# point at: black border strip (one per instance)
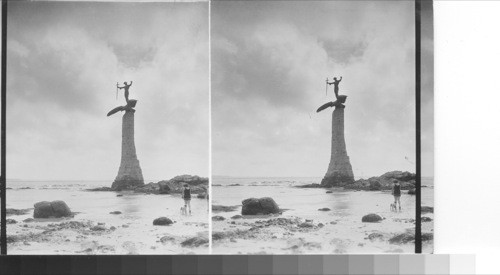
(418, 200)
(3, 177)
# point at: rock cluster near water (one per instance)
(262, 206)
(385, 182)
(54, 209)
(198, 185)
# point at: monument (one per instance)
(339, 171)
(130, 173)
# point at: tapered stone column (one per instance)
(339, 171)
(130, 173)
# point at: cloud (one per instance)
(64, 60)
(268, 79)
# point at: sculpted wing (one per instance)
(324, 106)
(116, 110)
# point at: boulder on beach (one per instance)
(262, 206)
(426, 209)
(195, 241)
(371, 218)
(412, 191)
(402, 238)
(54, 209)
(236, 217)
(12, 211)
(201, 195)
(218, 218)
(162, 221)
(115, 212)
(223, 208)
(385, 182)
(11, 221)
(324, 209)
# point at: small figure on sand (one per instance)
(125, 87)
(186, 195)
(396, 192)
(335, 85)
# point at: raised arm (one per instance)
(340, 79)
(130, 83)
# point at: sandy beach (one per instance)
(303, 229)
(94, 230)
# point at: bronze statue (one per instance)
(125, 87)
(335, 85)
(340, 98)
(130, 102)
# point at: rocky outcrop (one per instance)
(175, 185)
(426, 209)
(371, 218)
(198, 185)
(162, 221)
(54, 209)
(385, 182)
(262, 206)
(218, 218)
(130, 172)
(223, 208)
(339, 171)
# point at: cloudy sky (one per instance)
(269, 64)
(64, 60)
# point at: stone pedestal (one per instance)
(339, 171)
(130, 173)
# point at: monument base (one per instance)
(336, 180)
(126, 183)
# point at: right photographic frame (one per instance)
(322, 127)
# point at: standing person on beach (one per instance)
(396, 192)
(186, 195)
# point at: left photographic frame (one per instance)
(107, 118)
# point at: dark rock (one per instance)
(376, 236)
(324, 209)
(162, 221)
(119, 195)
(385, 182)
(99, 189)
(427, 209)
(11, 211)
(402, 238)
(412, 191)
(175, 185)
(11, 221)
(312, 185)
(222, 208)
(195, 241)
(98, 228)
(235, 217)
(371, 218)
(306, 225)
(54, 209)
(262, 206)
(329, 191)
(29, 220)
(427, 237)
(167, 238)
(201, 195)
(218, 218)
(115, 212)
(426, 219)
